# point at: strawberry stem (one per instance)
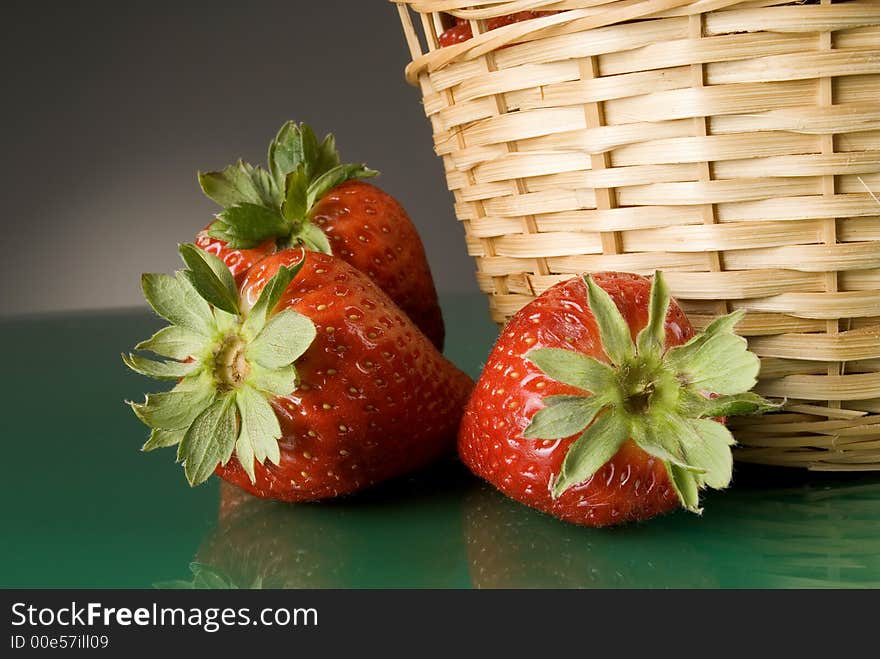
(231, 367)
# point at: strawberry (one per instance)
(461, 30)
(305, 382)
(306, 197)
(594, 405)
(457, 33)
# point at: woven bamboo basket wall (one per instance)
(734, 145)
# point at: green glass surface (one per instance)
(82, 507)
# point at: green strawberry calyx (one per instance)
(276, 203)
(228, 363)
(654, 396)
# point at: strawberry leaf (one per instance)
(613, 330)
(685, 484)
(221, 231)
(173, 341)
(268, 191)
(328, 156)
(599, 443)
(310, 146)
(163, 439)
(285, 337)
(573, 368)
(286, 152)
(297, 144)
(737, 405)
(654, 439)
(708, 447)
(175, 409)
(330, 179)
(563, 416)
(719, 326)
(295, 203)
(717, 360)
(314, 239)
(273, 382)
(652, 339)
(260, 431)
(175, 299)
(211, 278)
(237, 184)
(269, 298)
(226, 322)
(246, 225)
(209, 440)
(161, 370)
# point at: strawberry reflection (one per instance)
(816, 531)
(512, 546)
(406, 533)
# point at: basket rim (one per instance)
(592, 16)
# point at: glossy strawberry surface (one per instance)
(239, 261)
(458, 33)
(369, 229)
(632, 485)
(375, 398)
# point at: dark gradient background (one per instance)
(109, 109)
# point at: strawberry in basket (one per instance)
(305, 382)
(307, 197)
(461, 30)
(599, 404)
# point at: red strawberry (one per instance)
(461, 31)
(587, 410)
(306, 197)
(371, 231)
(306, 382)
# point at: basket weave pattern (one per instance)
(733, 145)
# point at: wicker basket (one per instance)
(734, 145)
